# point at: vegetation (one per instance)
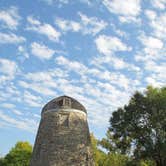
(103, 159)
(18, 156)
(139, 128)
(98, 155)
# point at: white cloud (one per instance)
(11, 38)
(8, 70)
(153, 49)
(37, 87)
(157, 68)
(124, 19)
(39, 76)
(128, 10)
(157, 75)
(86, 25)
(9, 91)
(159, 4)
(23, 51)
(41, 51)
(31, 99)
(87, 72)
(109, 44)
(24, 124)
(17, 112)
(71, 65)
(157, 22)
(43, 28)
(151, 42)
(152, 81)
(10, 18)
(66, 25)
(46, 76)
(152, 59)
(44, 83)
(8, 105)
(150, 14)
(8, 67)
(158, 25)
(92, 24)
(118, 31)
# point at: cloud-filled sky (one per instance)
(98, 52)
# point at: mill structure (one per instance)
(63, 137)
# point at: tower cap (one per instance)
(63, 102)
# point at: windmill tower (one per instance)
(63, 137)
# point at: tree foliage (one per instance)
(18, 156)
(115, 159)
(139, 128)
(103, 159)
(98, 155)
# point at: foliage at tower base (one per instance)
(103, 159)
(139, 128)
(18, 156)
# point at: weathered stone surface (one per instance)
(63, 139)
(63, 102)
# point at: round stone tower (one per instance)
(63, 137)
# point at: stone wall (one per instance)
(63, 139)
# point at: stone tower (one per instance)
(63, 137)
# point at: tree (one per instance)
(19, 155)
(139, 128)
(104, 159)
(1, 161)
(98, 155)
(115, 159)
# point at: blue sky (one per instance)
(98, 52)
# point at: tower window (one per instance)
(60, 103)
(67, 102)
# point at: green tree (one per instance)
(104, 159)
(115, 159)
(19, 155)
(139, 128)
(98, 155)
(1, 161)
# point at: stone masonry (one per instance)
(63, 137)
